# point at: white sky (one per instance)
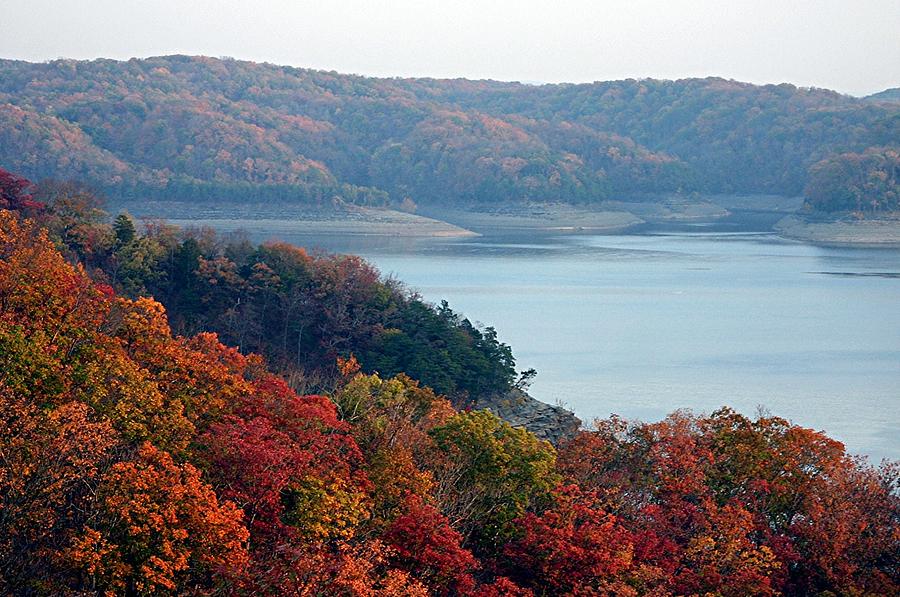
(852, 46)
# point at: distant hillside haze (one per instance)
(888, 95)
(197, 128)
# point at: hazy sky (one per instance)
(852, 46)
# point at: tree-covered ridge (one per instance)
(735, 137)
(301, 311)
(888, 95)
(194, 128)
(135, 461)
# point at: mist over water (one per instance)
(642, 325)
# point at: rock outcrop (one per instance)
(546, 421)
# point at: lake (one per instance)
(642, 325)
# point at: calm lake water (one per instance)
(642, 325)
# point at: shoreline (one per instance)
(277, 219)
(605, 217)
(873, 234)
(423, 228)
(538, 217)
(609, 217)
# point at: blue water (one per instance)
(643, 325)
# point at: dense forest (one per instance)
(857, 182)
(195, 128)
(300, 311)
(136, 460)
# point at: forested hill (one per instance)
(301, 311)
(135, 460)
(199, 128)
(888, 95)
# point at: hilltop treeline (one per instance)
(139, 461)
(300, 311)
(197, 128)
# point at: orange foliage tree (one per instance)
(135, 461)
(738, 506)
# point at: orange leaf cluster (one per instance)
(134, 461)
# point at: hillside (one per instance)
(138, 461)
(196, 128)
(888, 95)
(301, 311)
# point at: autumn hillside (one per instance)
(204, 129)
(138, 461)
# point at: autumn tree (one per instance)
(51, 467)
(487, 473)
(865, 183)
(574, 546)
(16, 193)
(428, 548)
(738, 506)
(296, 472)
(158, 527)
(390, 421)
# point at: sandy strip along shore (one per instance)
(863, 233)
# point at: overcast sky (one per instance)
(852, 46)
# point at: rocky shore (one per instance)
(548, 422)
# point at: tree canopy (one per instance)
(138, 461)
(204, 129)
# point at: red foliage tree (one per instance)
(291, 465)
(736, 506)
(15, 193)
(572, 546)
(428, 548)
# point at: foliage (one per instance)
(52, 463)
(443, 350)
(137, 461)
(426, 545)
(488, 473)
(300, 311)
(203, 129)
(15, 193)
(160, 527)
(571, 546)
(390, 422)
(290, 463)
(738, 506)
(866, 183)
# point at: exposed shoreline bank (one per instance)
(405, 227)
(287, 219)
(876, 233)
(777, 215)
(606, 217)
(550, 218)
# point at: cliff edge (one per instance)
(552, 423)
